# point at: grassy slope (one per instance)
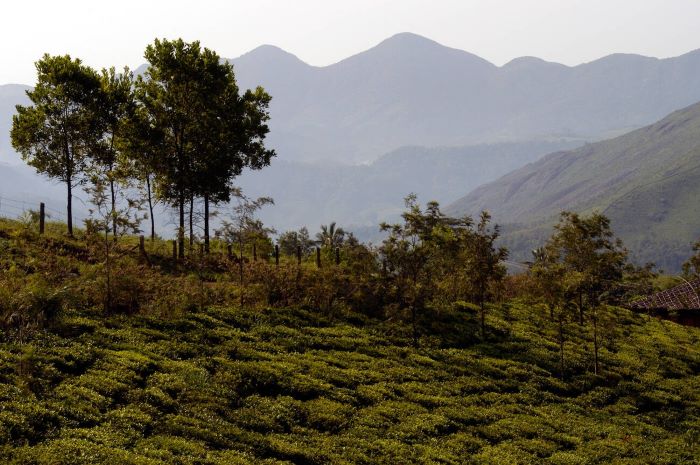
(646, 181)
(232, 386)
(226, 385)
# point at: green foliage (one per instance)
(200, 130)
(330, 236)
(691, 268)
(233, 386)
(316, 368)
(432, 257)
(292, 241)
(57, 133)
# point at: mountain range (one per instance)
(409, 90)
(410, 115)
(646, 181)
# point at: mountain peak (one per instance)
(408, 38)
(530, 61)
(415, 48)
(269, 53)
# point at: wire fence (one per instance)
(14, 208)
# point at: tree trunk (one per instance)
(150, 208)
(69, 184)
(108, 275)
(181, 229)
(191, 221)
(561, 343)
(206, 223)
(240, 268)
(414, 323)
(114, 209)
(110, 164)
(240, 262)
(483, 318)
(69, 212)
(596, 367)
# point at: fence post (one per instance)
(201, 249)
(175, 250)
(337, 255)
(298, 255)
(277, 255)
(142, 247)
(318, 257)
(255, 253)
(229, 251)
(42, 216)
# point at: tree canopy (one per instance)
(59, 131)
(207, 131)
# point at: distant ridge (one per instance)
(10, 95)
(410, 90)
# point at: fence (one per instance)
(14, 208)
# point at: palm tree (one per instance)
(330, 236)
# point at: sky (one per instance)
(322, 32)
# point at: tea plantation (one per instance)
(231, 386)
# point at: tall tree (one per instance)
(142, 148)
(594, 258)
(330, 236)
(483, 262)
(550, 285)
(233, 139)
(57, 132)
(209, 131)
(691, 268)
(413, 255)
(114, 109)
(170, 95)
(595, 264)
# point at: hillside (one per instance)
(646, 181)
(358, 196)
(190, 377)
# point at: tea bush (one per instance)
(193, 377)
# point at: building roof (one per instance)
(685, 296)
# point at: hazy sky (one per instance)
(321, 32)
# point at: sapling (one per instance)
(243, 226)
(109, 222)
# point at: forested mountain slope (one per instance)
(646, 181)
